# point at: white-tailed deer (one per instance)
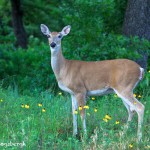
(81, 79)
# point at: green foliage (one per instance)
(39, 11)
(92, 36)
(29, 70)
(95, 16)
(92, 16)
(6, 31)
(34, 13)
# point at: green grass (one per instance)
(53, 129)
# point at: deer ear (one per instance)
(45, 30)
(66, 30)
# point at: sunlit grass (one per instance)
(45, 121)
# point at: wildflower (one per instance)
(134, 95)
(80, 107)
(130, 145)
(117, 122)
(22, 105)
(149, 71)
(40, 104)
(134, 103)
(76, 112)
(60, 93)
(104, 119)
(27, 106)
(86, 107)
(1, 100)
(43, 110)
(93, 98)
(95, 110)
(139, 96)
(115, 95)
(107, 117)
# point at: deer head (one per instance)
(55, 38)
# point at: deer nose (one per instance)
(53, 44)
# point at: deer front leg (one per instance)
(130, 112)
(74, 108)
(81, 98)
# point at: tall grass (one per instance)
(52, 127)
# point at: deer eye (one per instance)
(59, 36)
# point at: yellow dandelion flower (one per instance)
(22, 105)
(76, 112)
(93, 98)
(139, 96)
(86, 107)
(135, 103)
(130, 145)
(60, 93)
(149, 71)
(104, 119)
(117, 122)
(40, 104)
(95, 110)
(134, 95)
(43, 110)
(108, 117)
(80, 107)
(115, 95)
(27, 106)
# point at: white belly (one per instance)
(64, 88)
(100, 92)
(89, 93)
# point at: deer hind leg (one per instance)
(134, 105)
(81, 98)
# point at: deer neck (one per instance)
(57, 61)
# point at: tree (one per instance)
(17, 22)
(137, 22)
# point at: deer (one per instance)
(94, 78)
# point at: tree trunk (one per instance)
(137, 22)
(137, 19)
(18, 24)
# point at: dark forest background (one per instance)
(101, 29)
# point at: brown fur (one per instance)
(79, 76)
